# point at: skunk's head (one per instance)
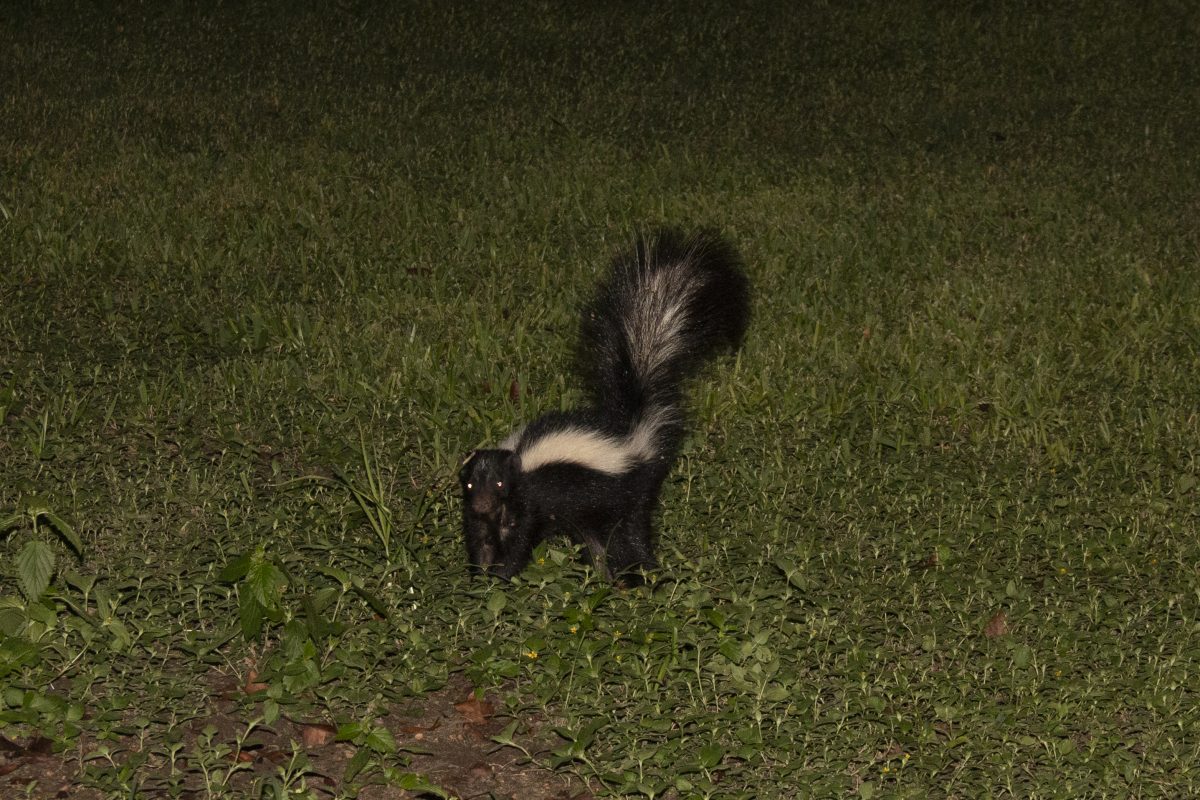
(487, 478)
(487, 487)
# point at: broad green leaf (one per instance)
(505, 736)
(374, 602)
(11, 621)
(14, 654)
(83, 583)
(731, 650)
(40, 612)
(711, 755)
(7, 395)
(381, 741)
(357, 763)
(235, 569)
(349, 732)
(65, 531)
(418, 783)
(1022, 655)
(497, 602)
(47, 703)
(322, 598)
(339, 575)
(121, 638)
(35, 565)
(250, 614)
(267, 582)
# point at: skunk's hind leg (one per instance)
(616, 554)
(630, 551)
(597, 555)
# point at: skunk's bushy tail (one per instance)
(666, 309)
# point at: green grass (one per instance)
(253, 262)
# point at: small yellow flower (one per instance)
(541, 562)
(574, 629)
(1062, 570)
(531, 654)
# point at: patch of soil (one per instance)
(456, 729)
(30, 769)
(451, 728)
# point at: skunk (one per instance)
(665, 310)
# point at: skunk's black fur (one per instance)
(666, 309)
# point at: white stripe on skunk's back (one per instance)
(611, 455)
(579, 446)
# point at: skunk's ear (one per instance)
(465, 466)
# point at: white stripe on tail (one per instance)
(660, 313)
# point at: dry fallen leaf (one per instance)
(997, 625)
(275, 756)
(317, 734)
(253, 685)
(475, 711)
(417, 731)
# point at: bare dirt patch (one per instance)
(451, 728)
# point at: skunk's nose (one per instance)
(484, 503)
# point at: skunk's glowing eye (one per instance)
(470, 486)
(499, 484)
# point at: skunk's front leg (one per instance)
(520, 536)
(483, 545)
